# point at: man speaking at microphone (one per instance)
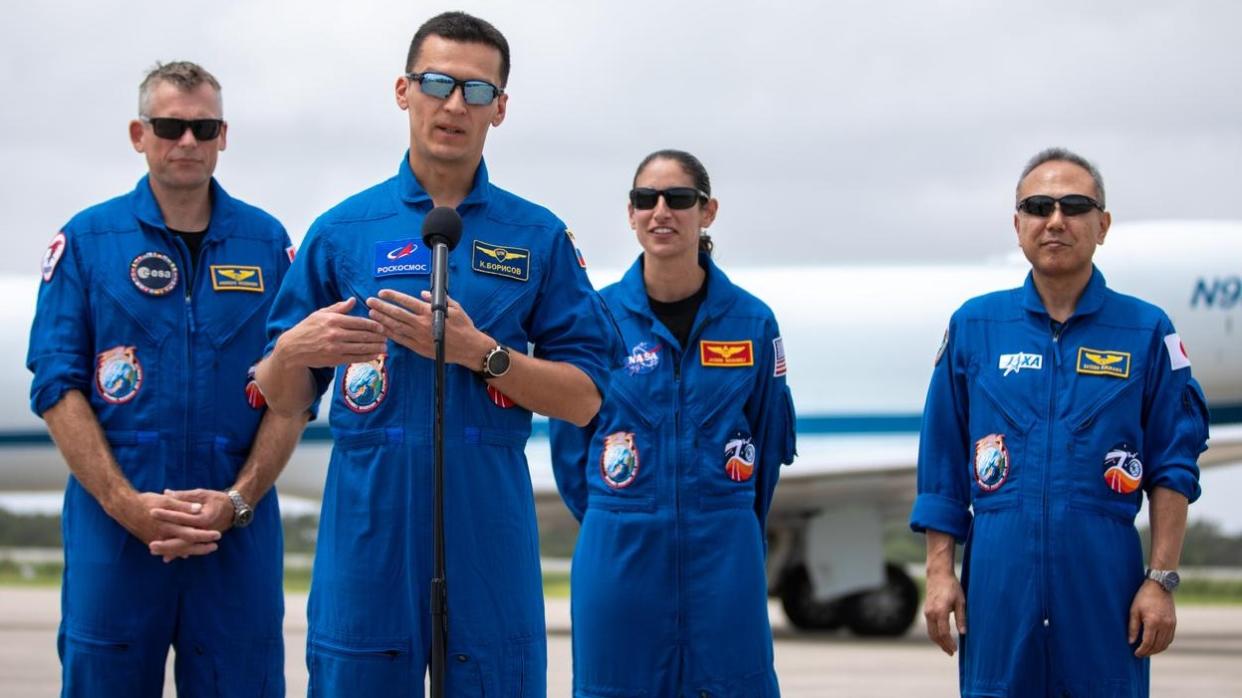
(514, 280)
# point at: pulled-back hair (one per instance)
(693, 167)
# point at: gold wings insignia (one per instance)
(238, 275)
(724, 352)
(1103, 360)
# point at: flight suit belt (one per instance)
(704, 502)
(512, 438)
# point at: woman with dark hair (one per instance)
(673, 479)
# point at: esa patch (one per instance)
(1097, 362)
(231, 277)
(291, 252)
(407, 257)
(153, 273)
(1123, 471)
(254, 396)
(1178, 357)
(618, 462)
(499, 399)
(577, 250)
(118, 374)
(778, 349)
(365, 384)
(991, 462)
(944, 344)
(643, 358)
(727, 354)
(55, 250)
(1014, 363)
(509, 262)
(740, 457)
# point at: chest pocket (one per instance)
(725, 443)
(999, 458)
(627, 454)
(233, 297)
(120, 305)
(497, 305)
(1108, 432)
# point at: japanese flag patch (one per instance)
(1178, 358)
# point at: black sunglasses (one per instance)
(646, 198)
(476, 92)
(203, 129)
(1071, 205)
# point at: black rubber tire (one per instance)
(888, 611)
(801, 608)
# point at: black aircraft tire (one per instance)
(888, 611)
(801, 607)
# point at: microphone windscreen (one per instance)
(442, 224)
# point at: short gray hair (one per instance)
(1064, 155)
(186, 76)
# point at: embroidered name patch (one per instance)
(1014, 363)
(509, 262)
(408, 257)
(1098, 362)
(727, 354)
(231, 277)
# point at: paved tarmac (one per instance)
(1205, 661)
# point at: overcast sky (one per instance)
(832, 131)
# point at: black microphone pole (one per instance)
(441, 232)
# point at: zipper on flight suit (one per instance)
(188, 264)
(1058, 329)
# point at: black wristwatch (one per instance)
(496, 362)
(243, 513)
(1167, 579)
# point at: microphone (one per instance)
(441, 232)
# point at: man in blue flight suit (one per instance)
(1052, 409)
(515, 281)
(150, 319)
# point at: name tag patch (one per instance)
(1102, 362)
(727, 354)
(500, 260)
(409, 257)
(231, 277)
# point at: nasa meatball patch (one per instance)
(1123, 471)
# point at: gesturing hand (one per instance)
(331, 336)
(407, 321)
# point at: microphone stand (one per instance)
(439, 586)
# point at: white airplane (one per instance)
(860, 341)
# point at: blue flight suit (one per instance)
(517, 275)
(163, 352)
(1050, 433)
(672, 482)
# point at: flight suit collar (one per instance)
(721, 294)
(147, 209)
(1091, 301)
(412, 192)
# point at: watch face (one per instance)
(498, 363)
(244, 517)
(1171, 580)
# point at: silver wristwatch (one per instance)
(1167, 579)
(243, 513)
(496, 362)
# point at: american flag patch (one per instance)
(778, 346)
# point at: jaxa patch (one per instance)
(618, 462)
(118, 374)
(499, 399)
(727, 354)
(499, 260)
(740, 457)
(643, 358)
(944, 344)
(1178, 357)
(55, 250)
(231, 277)
(407, 257)
(577, 250)
(1123, 471)
(991, 462)
(254, 396)
(778, 350)
(153, 273)
(1014, 363)
(365, 384)
(1096, 362)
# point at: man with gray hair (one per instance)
(149, 321)
(1052, 409)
